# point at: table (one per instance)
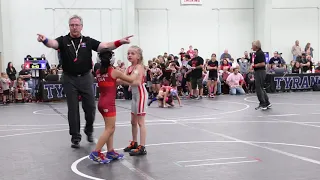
(280, 82)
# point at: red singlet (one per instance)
(108, 89)
(166, 88)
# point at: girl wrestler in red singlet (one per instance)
(106, 77)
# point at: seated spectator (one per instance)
(25, 74)
(20, 87)
(296, 68)
(276, 61)
(306, 64)
(317, 70)
(225, 64)
(235, 81)
(250, 80)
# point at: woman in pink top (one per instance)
(235, 81)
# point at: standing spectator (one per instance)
(244, 63)
(308, 48)
(190, 52)
(76, 58)
(182, 54)
(259, 67)
(296, 50)
(196, 75)
(11, 72)
(5, 84)
(225, 55)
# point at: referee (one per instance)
(259, 66)
(76, 56)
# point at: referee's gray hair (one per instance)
(257, 43)
(76, 17)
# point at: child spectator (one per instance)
(20, 87)
(250, 80)
(5, 83)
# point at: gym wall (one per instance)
(167, 26)
(295, 20)
(163, 26)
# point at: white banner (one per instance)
(191, 2)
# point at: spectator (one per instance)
(309, 49)
(196, 75)
(276, 60)
(304, 63)
(25, 75)
(5, 84)
(296, 68)
(244, 63)
(11, 72)
(182, 54)
(296, 50)
(21, 87)
(225, 64)
(225, 55)
(191, 52)
(250, 81)
(235, 81)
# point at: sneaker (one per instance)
(112, 155)
(99, 157)
(132, 145)
(269, 105)
(141, 150)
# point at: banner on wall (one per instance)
(191, 2)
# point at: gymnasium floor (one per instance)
(221, 139)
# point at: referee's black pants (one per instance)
(260, 76)
(82, 85)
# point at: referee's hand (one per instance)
(41, 38)
(126, 40)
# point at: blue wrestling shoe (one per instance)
(152, 100)
(99, 157)
(112, 155)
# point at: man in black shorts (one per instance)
(213, 75)
(259, 67)
(196, 75)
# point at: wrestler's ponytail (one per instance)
(105, 56)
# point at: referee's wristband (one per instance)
(45, 41)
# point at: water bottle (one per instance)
(313, 70)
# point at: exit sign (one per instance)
(191, 2)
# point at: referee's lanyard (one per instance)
(76, 50)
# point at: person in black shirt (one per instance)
(259, 67)
(213, 75)
(11, 71)
(76, 59)
(196, 75)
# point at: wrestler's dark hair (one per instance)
(105, 56)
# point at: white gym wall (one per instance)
(295, 20)
(167, 26)
(162, 26)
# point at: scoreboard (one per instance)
(35, 63)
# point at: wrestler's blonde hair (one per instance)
(140, 53)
